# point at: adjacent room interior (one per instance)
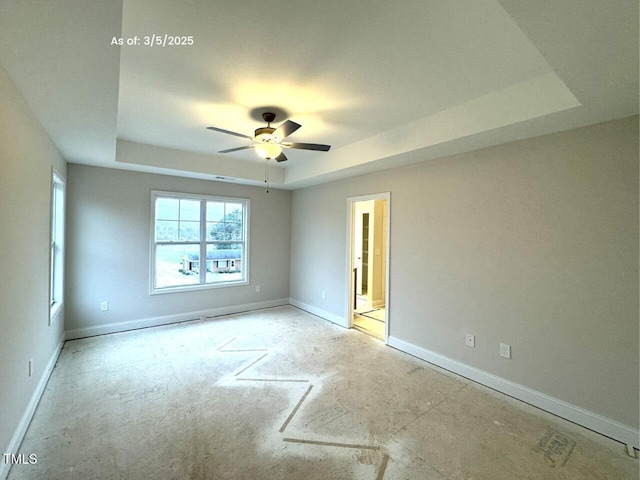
(368, 246)
(319, 240)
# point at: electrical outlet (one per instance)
(257, 288)
(324, 295)
(470, 340)
(30, 366)
(505, 350)
(104, 306)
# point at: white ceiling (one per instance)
(385, 83)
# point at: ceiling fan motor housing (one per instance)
(264, 134)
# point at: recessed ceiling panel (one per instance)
(344, 72)
(383, 83)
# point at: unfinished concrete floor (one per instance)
(281, 394)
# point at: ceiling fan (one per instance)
(268, 141)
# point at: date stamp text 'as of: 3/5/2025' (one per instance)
(154, 40)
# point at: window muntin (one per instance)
(187, 228)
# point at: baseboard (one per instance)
(568, 411)
(168, 319)
(21, 429)
(317, 311)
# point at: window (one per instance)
(188, 228)
(56, 261)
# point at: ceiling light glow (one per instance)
(268, 150)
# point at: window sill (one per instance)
(54, 311)
(195, 288)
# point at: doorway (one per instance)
(368, 228)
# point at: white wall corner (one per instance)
(333, 318)
(568, 411)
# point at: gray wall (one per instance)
(108, 244)
(532, 243)
(26, 158)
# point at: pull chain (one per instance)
(266, 173)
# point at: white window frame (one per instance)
(56, 241)
(202, 285)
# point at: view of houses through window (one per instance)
(198, 241)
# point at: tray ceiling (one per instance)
(384, 83)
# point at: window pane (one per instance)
(233, 212)
(224, 232)
(230, 231)
(215, 211)
(224, 262)
(212, 231)
(167, 208)
(190, 210)
(51, 275)
(235, 231)
(230, 226)
(177, 265)
(166, 231)
(189, 231)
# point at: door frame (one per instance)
(351, 201)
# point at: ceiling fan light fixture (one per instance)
(267, 141)
(268, 150)
(264, 138)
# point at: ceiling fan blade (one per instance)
(307, 146)
(286, 129)
(229, 150)
(281, 158)
(216, 129)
